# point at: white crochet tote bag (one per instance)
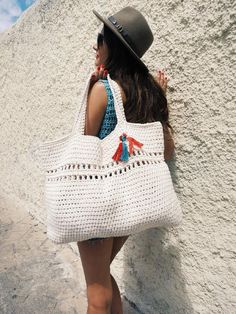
(115, 186)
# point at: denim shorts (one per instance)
(92, 239)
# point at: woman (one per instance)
(144, 99)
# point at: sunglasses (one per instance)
(100, 39)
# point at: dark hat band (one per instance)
(123, 32)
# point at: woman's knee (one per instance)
(99, 297)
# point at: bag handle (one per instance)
(79, 123)
(119, 106)
(84, 100)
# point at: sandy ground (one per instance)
(37, 276)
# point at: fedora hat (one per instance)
(131, 27)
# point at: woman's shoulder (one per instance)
(98, 93)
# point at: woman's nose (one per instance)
(95, 47)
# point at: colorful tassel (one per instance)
(118, 152)
(133, 142)
(125, 155)
(122, 153)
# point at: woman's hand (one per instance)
(99, 73)
(162, 80)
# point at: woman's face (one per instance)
(101, 50)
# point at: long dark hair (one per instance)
(145, 99)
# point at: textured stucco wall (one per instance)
(44, 59)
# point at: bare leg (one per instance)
(116, 306)
(95, 258)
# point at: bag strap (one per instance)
(118, 105)
(118, 102)
(80, 111)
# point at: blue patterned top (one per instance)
(109, 120)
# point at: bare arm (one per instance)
(169, 145)
(96, 107)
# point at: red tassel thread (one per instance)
(131, 141)
(118, 152)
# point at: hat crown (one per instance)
(131, 27)
(131, 22)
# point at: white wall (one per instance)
(44, 59)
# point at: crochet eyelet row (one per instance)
(102, 176)
(89, 166)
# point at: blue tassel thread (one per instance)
(125, 154)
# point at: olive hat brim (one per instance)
(114, 30)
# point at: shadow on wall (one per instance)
(152, 268)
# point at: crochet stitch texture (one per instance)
(88, 194)
(109, 121)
